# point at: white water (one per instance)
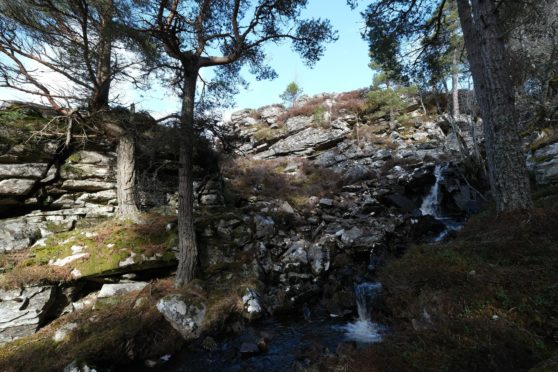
(431, 205)
(363, 329)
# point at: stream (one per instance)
(282, 344)
(289, 341)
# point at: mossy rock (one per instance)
(110, 248)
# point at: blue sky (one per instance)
(343, 67)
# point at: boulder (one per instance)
(297, 123)
(183, 315)
(118, 289)
(319, 254)
(17, 234)
(544, 163)
(305, 142)
(91, 157)
(16, 186)
(30, 170)
(22, 311)
(270, 113)
(82, 171)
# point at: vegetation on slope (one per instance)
(486, 301)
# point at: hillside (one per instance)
(305, 203)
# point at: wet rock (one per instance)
(22, 311)
(109, 290)
(248, 349)
(76, 366)
(183, 314)
(252, 306)
(401, 202)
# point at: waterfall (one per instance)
(431, 204)
(364, 294)
(363, 329)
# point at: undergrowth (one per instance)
(486, 301)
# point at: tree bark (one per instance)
(188, 250)
(103, 76)
(494, 90)
(126, 178)
(455, 85)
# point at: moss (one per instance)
(74, 158)
(55, 227)
(68, 168)
(106, 244)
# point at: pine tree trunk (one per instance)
(455, 85)
(494, 90)
(103, 76)
(126, 178)
(188, 250)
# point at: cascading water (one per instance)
(431, 205)
(363, 329)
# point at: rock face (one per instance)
(22, 311)
(543, 162)
(183, 315)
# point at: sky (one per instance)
(343, 67)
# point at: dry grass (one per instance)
(306, 109)
(114, 333)
(124, 330)
(34, 275)
(348, 102)
(267, 178)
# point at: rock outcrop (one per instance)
(22, 311)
